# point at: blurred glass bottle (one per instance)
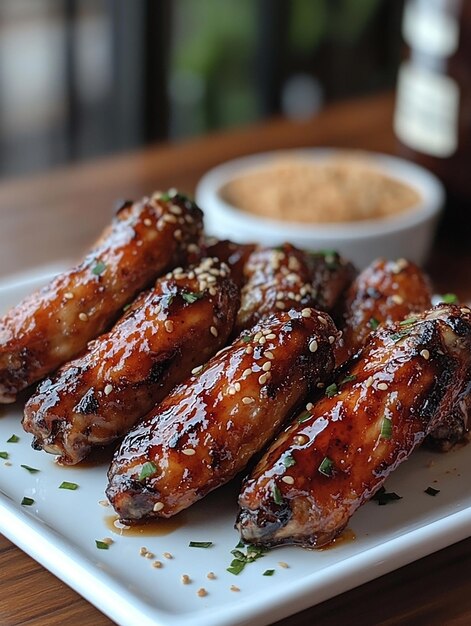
(433, 107)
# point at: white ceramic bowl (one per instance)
(408, 235)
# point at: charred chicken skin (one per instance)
(54, 324)
(386, 291)
(208, 428)
(338, 452)
(278, 279)
(180, 323)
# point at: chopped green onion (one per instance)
(247, 338)
(29, 469)
(101, 545)
(331, 390)
(288, 461)
(400, 335)
(4, 455)
(191, 297)
(69, 486)
(386, 428)
(304, 417)
(268, 572)
(383, 497)
(99, 268)
(241, 560)
(348, 379)
(373, 323)
(27, 501)
(408, 321)
(13, 439)
(148, 469)
(326, 467)
(200, 544)
(430, 491)
(277, 496)
(449, 298)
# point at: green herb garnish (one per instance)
(408, 321)
(304, 417)
(242, 559)
(331, 390)
(430, 491)
(400, 335)
(373, 323)
(191, 297)
(4, 455)
(347, 379)
(247, 338)
(386, 428)
(383, 497)
(326, 467)
(288, 461)
(101, 545)
(27, 501)
(277, 495)
(99, 268)
(200, 544)
(69, 486)
(31, 470)
(148, 469)
(449, 298)
(268, 572)
(13, 439)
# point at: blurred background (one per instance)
(83, 78)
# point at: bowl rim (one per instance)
(427, 184)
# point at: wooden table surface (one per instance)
(54, 216)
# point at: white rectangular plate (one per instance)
(59, 530)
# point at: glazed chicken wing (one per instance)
(235, 255)
(386, 291)
(179, 324)
(338, 453)
(208, 428)
(54, 324)
(285, 277)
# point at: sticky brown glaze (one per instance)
(179, 324)
(208, 428)
(386, 291)
(54, 324)
(339, 452)
(235, 255)
(331, 277)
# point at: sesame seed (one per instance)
(248, 350)
(211, 576)
(158, 506)
(237, 386)
(186, 580)
(212, 291)
(108, 541)
(397, 299)
(262, 341)
(247, 400)
(7, 464)
(313, 346)
(266, 366)
(300, 440)
(425, 354)
(246, 372)
(234, 588)
(289, 480)
(167, 555)
(83, 317)
(320, 385)
(369, 381)
(202, 592)
(148, 222)
(283, 564)
(306, 312)
(197, 370)
(214, 331)
(108, 389)
(143, 551)
(331, 339)
(68, 295)
(119, 524)
(157, 564)
(257, 336)
(189, 451)
(279, 304)
(382, 386)
(231, 391)
(168, 326)
(269, 355)
(149, 555)
(171, 219)
(263, 378)
(309, 406)
(271, 336)
(176, 210)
